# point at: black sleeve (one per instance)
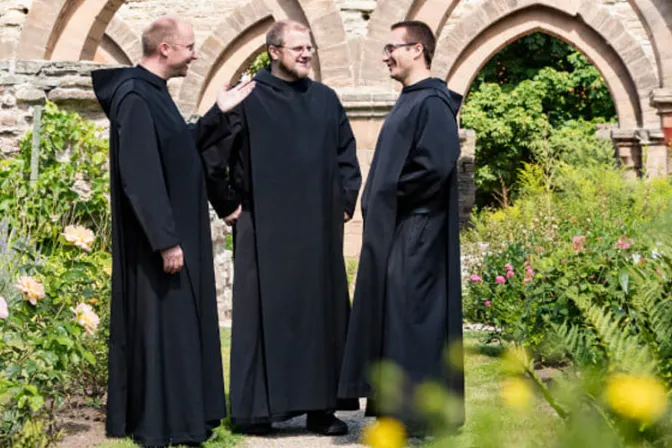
(434, 154)
(348, 165)
(210, 128)
(141, 173)
(218, 167)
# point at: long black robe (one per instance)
(407, 305)
(165, 367)
(294, 168)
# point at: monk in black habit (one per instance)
(294, 173)
(165, 366)
(407, 305)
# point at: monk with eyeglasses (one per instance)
(287, 178)
(407, 305)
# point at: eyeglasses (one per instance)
(189, 47)
(309, 49)
(389, 48)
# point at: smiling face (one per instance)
(294, 57)
(180, 51)
(401, 56)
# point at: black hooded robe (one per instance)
(165, 367)
(407, 305)
(294, 168)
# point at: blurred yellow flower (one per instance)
(639, 397)
(515, 359)
(516, 393)
(86, 317)
(32, 289)
(455, 356)
(385, 433)
(79, 236)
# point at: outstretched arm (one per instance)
(215, 125)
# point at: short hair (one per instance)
(276, 35)
(421, 33)
(164, 29)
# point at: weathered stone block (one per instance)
(76, 81)
(29, 94)
(61, 69)
(28, 67)
(61, 95)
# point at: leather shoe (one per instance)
(326, 424)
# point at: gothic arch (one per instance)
(73, 30)
(388, 12)
(119, 45)
(66, 29)
(500, 34)
(656, 15)
(223, 52)
(587, 25)
(241, 36)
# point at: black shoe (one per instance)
(256, 429)
(325, 424)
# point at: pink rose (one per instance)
(500, 279)
(487, 303)
(475, 278)
(510, 274)
(508, 267)
(624, 243)
(527, 280)
(579, 241)
(529, 272)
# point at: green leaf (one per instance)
(624, 279)
(36, 403)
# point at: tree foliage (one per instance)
(537, 92)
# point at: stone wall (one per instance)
(25, 84)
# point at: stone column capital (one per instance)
(661, 99)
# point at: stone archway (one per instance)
(238, 36)
(66, 30)
(72, 30)
(656, 15)
(478, 52)
(584, 15)
(120, 44)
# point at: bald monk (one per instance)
(165, 367)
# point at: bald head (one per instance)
(165, 29)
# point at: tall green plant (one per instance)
(73, 181)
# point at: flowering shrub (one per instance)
(48, 325)
(72, 186)
(580, 235)
(54, 278)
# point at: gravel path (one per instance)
(293, 434)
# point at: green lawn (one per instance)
(488, 425)
(224, 437)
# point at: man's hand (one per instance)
(173, 259)
(227, 98)
(346, 217)
(233, 217)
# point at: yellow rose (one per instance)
(32, 289)
(86, 317)
(385, 433)
(638, 397)
(516, 393)
(79, 236)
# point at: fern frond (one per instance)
(625, 350)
